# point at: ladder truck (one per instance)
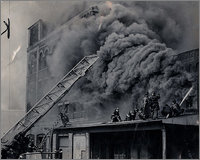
(48, 100)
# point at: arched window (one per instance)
(42, 60)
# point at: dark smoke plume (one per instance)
(136, 46)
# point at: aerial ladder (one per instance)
(49, 100)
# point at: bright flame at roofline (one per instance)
(109, 4)
(101, 21)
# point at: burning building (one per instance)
(130, 59)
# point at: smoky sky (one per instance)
(22, 15)
(167, 27)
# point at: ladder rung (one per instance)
(34, 110)
(47, 103)
(74, 72)
(48, 98)
(70, 78)
(60, 85)
(84, 60)
(66, 81)
(22, 124)
(54, 93)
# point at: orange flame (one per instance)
(109, 4)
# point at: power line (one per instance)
(9, 59)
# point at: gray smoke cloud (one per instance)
(136, 44)
(131, 23)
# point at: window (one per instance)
(42, 60)
(76, 111)
(34, 32)
(32, 66)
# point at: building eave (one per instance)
(136, 125)
(183, 120)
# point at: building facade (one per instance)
(40, 45)
(38, 78)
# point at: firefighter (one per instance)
(167, 111)
(131, 116)
(64, 119)
(176, 108)
(189, 102)
(147, 107)
(115, 117)
(19, 137)
(154, 105)
(24, 144)
(31, 146)
(127, 117)
(19, 145)
(141, 114)
(58, 154)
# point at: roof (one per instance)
(37, 22)
(196, 50)
(189, 120)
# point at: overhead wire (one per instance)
(9, 58)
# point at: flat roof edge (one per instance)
(182, 120)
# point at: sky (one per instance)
(22, 15)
